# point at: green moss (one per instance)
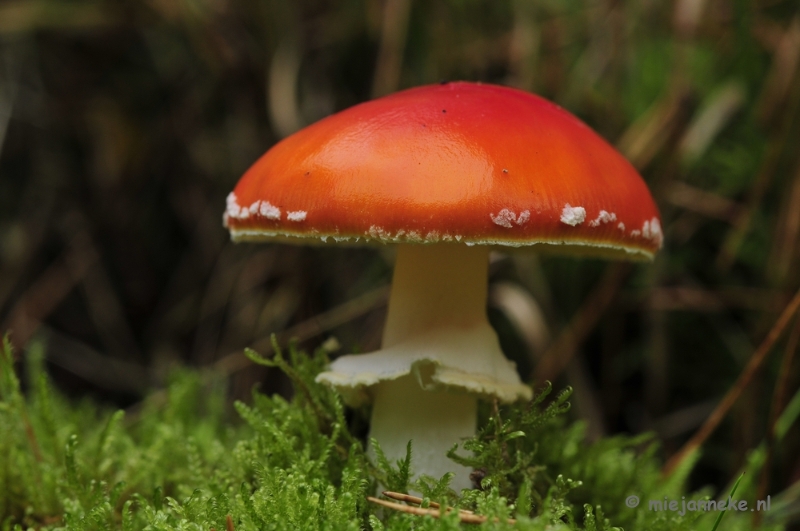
(180, 462)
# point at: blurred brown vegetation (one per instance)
(124, 124)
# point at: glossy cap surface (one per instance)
(455, 162)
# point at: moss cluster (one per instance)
(181, 463)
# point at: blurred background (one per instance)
(124, 124)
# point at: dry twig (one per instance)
(408, 498)
(332, 318)
(778, 403)
(435, 510)
(586, 318)
(738, 387)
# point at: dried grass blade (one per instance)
(734, 392)
(408, 498)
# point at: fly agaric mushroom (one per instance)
(447, 172)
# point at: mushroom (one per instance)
(447, 172)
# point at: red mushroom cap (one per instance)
(460, 162)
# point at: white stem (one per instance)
(439, 355)
(433, 420)
(435, 288)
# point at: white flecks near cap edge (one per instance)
(652, 231)
(379, 233)
(231, 206)
(603, 217)
(506, 217)
(573, 215)
(269, 210)
(235, 211)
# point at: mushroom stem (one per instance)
(436, 288)
(439, 355)
(433, 420)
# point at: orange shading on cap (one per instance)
(455, 162)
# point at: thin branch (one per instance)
(466, 518)
(394, 30)
(44, 295)
(563, 349)
(733, 394)
(778, 402)
(237, 361)
(323, 322)
(408, 498)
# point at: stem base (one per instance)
(432, 420)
